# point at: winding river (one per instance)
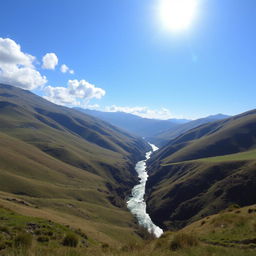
(136, 203)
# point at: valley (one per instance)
(136, 203)
(63, 166)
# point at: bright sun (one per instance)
(177, 14)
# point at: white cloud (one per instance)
(77, 93)
(50, 61)
(64, 69)
(16, 67)
(145, 112)
(93, 107)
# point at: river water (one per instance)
(136, 203)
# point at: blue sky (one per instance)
(135, 64)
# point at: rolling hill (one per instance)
(66, 165)
(203, 171)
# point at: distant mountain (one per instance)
(139, 126)
(203, 171)
(163, 138)
(67, 164)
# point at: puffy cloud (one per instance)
(16, 67)
(64, 69)
(145, 112)
(77, 93)
(50, 61)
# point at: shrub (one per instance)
(23, 240)
(232, 207)
(105, 247)
(250, 210)
(4, 229)
(43, 239)
(183, 241)
(145, 234)
(203, 222)
(70, 240)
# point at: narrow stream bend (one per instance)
(136, 203)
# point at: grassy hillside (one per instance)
(230, 232)
(203, 171)
(228, 136)
(67, 165)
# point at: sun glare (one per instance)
(177, 14)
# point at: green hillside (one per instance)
(228, 136)
(66, 165)
(203, 171)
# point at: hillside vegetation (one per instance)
(66, 165)
(231, 232)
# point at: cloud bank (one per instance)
(77, 93)
(16, 67)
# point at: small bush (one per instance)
(70, 240)
(23, 240)
(38, 232)
(203, 222)
(81, 233)
(145, 234)
(4, 229)
(250, 210)
(105, 247)
(183, 241)
(49, 233)
(43, 239)
(5, 244)
(233, 207)
(131, 247)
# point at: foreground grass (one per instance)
(231, 232)
(202, 250)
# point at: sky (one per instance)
(117, 55)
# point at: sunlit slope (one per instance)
(64, 161)
(228, 136)
(203, 171)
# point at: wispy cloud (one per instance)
(17, 68)
(145, 112)
(50, 61)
